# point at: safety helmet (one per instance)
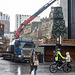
(58, 49)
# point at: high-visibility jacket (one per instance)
(46, 37)
(58, 56)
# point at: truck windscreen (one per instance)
(26, 44)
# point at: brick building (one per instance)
(5, 19)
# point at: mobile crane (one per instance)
(33, 16)
(19, 50)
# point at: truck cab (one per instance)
(20, 50)
(23, 49)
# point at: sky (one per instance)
(24, 7)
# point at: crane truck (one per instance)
(21, 49)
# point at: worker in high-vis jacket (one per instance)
(46, 37)
(58, 57)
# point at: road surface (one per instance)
(10, 68)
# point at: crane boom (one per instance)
(34, 16)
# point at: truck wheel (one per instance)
(11, 58)
(4, 57)
(15, 60)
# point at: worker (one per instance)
(46, 37)
(58, 57)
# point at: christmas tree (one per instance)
(58, 23)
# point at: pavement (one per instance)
(10, 68)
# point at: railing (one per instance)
(63, 41)
(50, 40)
(68, 40)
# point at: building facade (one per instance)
(31, 30)
(21, 18)
(38, 29)
(5, 19)
(9, 35)
(44, 28)
(69, 15)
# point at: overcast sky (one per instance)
(24, 7)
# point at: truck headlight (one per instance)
(19, 56)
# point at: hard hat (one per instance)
(58, 49)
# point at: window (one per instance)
(25, 44)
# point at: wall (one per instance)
(49, 49)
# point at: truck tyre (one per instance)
(4, 57)
(15, 60)
(11, 58)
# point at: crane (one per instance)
(18, 52)
(33, 16)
